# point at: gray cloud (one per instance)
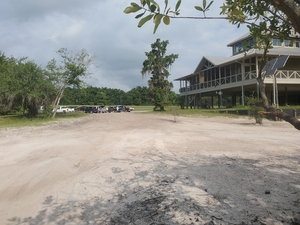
(37, 29)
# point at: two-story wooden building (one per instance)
(228, 81)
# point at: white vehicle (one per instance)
(62, 109)
(71, 109)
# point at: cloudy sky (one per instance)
(38, 28)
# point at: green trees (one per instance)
(73, 67)
(24, 86)
(138, 96)
(157, 64)
(8, 90)
(34, 88)
(106, 96)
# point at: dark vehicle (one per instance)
(111, 109)
(81, 108)
(88, 109)
(97, 109)
(127, 109)
(123, 108)
(119, 108)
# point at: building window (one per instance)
(247, 69)
(297, 44)
(238, 48)
(276, 42)
(288, 43)
(250, 43)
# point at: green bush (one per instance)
(255, 107)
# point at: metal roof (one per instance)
(184, 77)
(284, 51)
(216, 60)
(244, 37)
(219, 61)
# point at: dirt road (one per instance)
(134, 168)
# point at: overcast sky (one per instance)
(38, 28)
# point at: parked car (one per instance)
(88, 109)
(127, 109)
(96, 109)
(123, 108)
(111, 109)
(62, 109)
(81, 108)
(71, 109)
(103, 110)
(119, 108)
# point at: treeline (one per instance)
(105, 96)
(109, 96)
(25, 87)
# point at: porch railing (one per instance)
(282, 74)
(288, 74)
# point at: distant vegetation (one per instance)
(25, 87)
(105, 96)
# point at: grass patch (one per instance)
(200, 112)
(22, 121)
(177, 111)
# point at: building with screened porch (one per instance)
(229, 81)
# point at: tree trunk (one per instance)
(57, 100)
(275, 112)
(269, 110)
(291, 9)
(282, 115)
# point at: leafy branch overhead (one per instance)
(277, 17)
(151, 10)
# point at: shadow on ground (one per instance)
(194, 190)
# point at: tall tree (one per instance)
(24, 86)
(35, 89)
(73, 67)
(8, 85)
(157, 64)
(264, 18)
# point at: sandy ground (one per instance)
(134, 168)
